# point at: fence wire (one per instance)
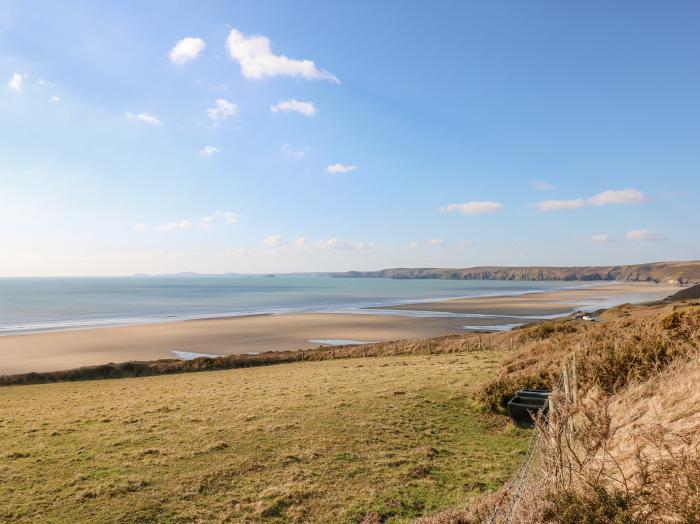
(513, 491)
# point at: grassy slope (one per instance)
(322, 441)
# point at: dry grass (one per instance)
(386, 438)
(632, 345)
(629, 449)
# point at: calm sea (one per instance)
(48, 304)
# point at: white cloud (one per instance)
(602, 239)
(275, 241)
(209, 150)
(413, 245)
(55, 99)
(611, 196)
(340, 168)
(296, 154)
(557, 205)
(472, 208)
(646, 235)
(229, 217)
(145, 117)
(436, 242)
(223, 110)
(140, 227)
(329, 244)
(295, 106)
(337, 244)
(15, 83)
(173, 226)
(623, 196)
(301, 242)
(541, 185)
(254, 54)
(187, 49)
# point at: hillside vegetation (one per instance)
(326, 441)
(658, 272)
(626, 448)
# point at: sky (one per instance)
(273, 136)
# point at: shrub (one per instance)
(597, 506)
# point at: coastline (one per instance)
(52, 351)
(377, 307)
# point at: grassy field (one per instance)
(330, 441)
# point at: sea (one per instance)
(30, 305)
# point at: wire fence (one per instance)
(512, 492)
(506, 507)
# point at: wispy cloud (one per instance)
(296, 154)
(541, 185)
(228, 217)
(645, 235)
(602, 239)
(338, 244)
(174, 226)
(206, 222)
(257, 61)
(145, 117)
(222, 110)
(473, 208)
(187, 49)
(140, 227)
(55, 99)
(209, 151)
(16, 82)
(340, 168)
(306, 244)
(275, 241)
(436, 242)
(557, 205)
(294, 106)
(611, 196)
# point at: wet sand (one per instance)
(549, 303)
(259, 333)
(221, 336)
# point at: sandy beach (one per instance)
(259, 333)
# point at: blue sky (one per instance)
(308, 136)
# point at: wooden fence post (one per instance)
(302, 355)
(567, 388)
(574, 379)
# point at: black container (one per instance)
(526, 406)
(533, 393)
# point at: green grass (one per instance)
(326, 441)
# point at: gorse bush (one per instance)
(609, 355)
(547, 329)
(598, 506)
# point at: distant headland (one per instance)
(682, 273)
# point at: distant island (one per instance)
(682, 273)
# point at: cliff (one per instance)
(666, 272)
